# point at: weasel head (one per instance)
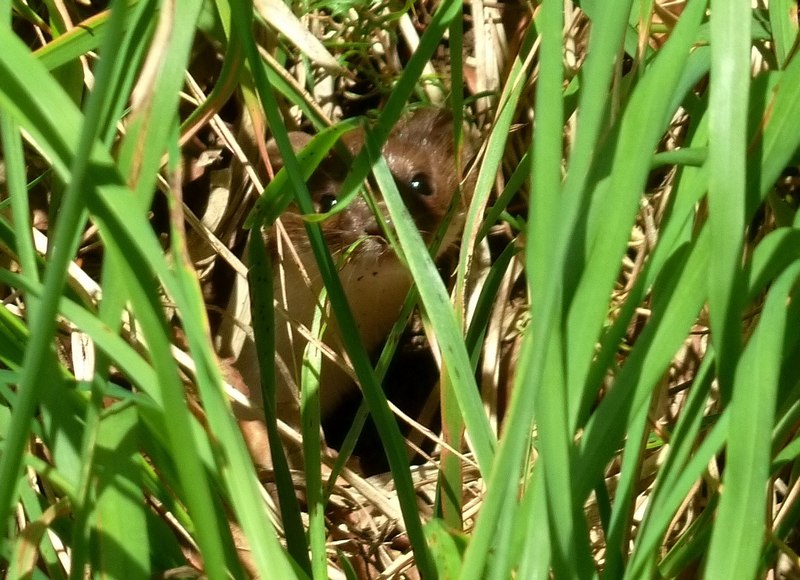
(421, 156)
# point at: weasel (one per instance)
(421, 156)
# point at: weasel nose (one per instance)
(373, 228)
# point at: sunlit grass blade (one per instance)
(728, 101)
(437, 307)
(779, 140)
(278, 195)
(737, 540)
(512, 445)
(238, 475)
(548, 389)
(619, 523)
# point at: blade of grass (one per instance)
(223, 89)
(134, 40)
(569, 554)
(458, 401)
(8, 9)
(260, 277)
(438, 309)
(126, 358)
(117, 77)
(278, 194)
(783, 25)
(42, 518)
(617, 530)
(738, 537)
(22, 562)
(79, 40)
(727, 148)
(196, 486)
(550, 257)
(121, 528)
(20, 208)
(235, 465)
(310, 414)
(513, 444)
(280, 16)
(533, 564)
(779, 140)
(691, 546)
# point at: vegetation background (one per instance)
(636, 408)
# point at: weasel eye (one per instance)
(327, 202)
(421, 185)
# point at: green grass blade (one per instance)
(261, 296)
(569, 554)
(783, 22)
(74, 43)
(196, 486)
(312, 445)
(779, 140)
(534, 564)
(460, 401)
(121, 525)
(18, 192)
(618, 528)
(235, 466)
(515, 441)
(440, 312)
(278, 195)
(738, 536)
(728, 102)
(127, 359)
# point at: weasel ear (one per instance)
(427, 120)
(298, 139)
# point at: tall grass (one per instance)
(635, 185)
